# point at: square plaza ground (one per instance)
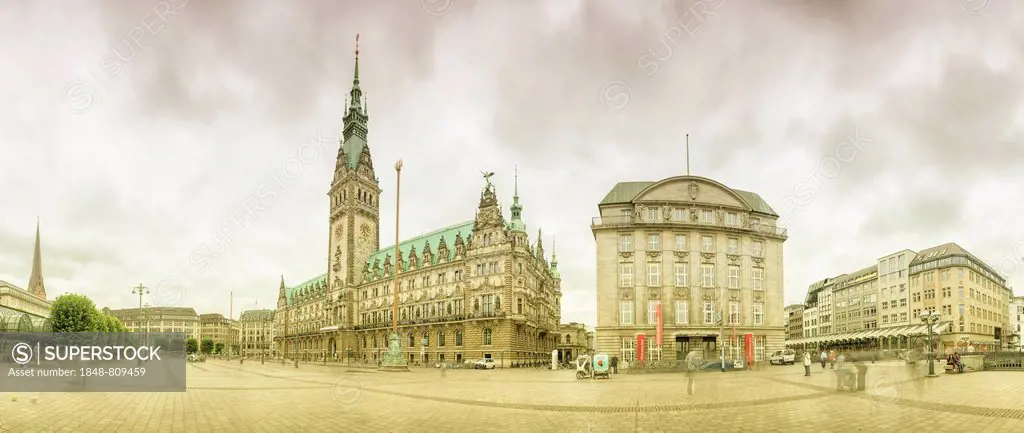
(228, 397)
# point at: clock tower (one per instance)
(355, 199)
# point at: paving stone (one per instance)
(226, 397)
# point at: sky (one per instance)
(138, 132)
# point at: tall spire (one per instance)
(281, 290)
(356, 92)
(355, 119)
(554, 260)
(517, 209)
(35, 280)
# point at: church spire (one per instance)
(35, 280)
(281, 292)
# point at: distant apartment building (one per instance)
(256, 333)
(794, 316)
(1016, 322)
(158, 319)
(220, 329)
(880, 306)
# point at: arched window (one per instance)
(488, 334)
(412, 340)
(364, 342)
(440, 338)
(568, 339)
(458, 338)
(426, 339)
(374, 341)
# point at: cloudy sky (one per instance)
(138, 131)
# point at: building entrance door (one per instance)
(710, 347)
(682, 347)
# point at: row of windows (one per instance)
(488, 337)
(681, 243)
(422, 282)
(682, 312)
(979, 273)
(680, 276)
(705, 216)
(735, 348)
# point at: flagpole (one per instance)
(687, 154)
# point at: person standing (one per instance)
(807, 363)
(824, 358)
(832, 359)
(691, 370)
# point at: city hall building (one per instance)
(690, 250)
(480, 288)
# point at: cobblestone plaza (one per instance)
(228, 397)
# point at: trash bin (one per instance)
(862, 376)
(846, 378)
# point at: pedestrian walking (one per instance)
(807, 363)
(692, 365)
(832, 359)
(824, 358)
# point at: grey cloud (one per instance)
(207, 107)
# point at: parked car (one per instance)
(484, 364)
(783, 357)
(717, 365)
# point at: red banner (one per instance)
(657, 315)
(640, 349)
(748, 340)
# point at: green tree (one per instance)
(191, 345)
(206, 346)
(113, 324)
(72, 312)
(218, 348)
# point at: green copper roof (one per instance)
(353, 147)
(626, 192)
(311, 284)
(256, 315)
(434, 237)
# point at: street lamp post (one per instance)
(929, 318)
(394, 360)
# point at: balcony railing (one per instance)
(618, 220)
